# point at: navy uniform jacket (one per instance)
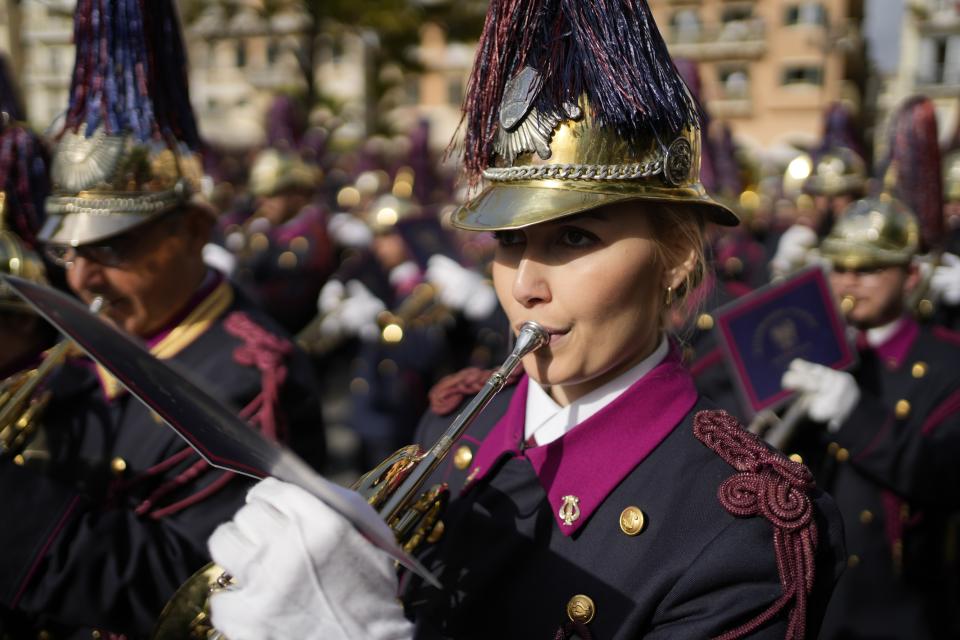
(894, 470)
(536, 529)
(121, 515)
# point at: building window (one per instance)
(737, 13)
(806, 13)
(685, 25)
(802, 75)
(241, 60)
(734, 82)
(939, 60)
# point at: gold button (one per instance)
(866, 516)
(259, 242)
(359, 386)
(842, 455)
(387, 367)
(43, 635)
(705, 322)
(118, 465)
(796, 457)
(463, 457)
(632, 521)
(287, 260)
(569, 511)
(919, 369)
(19, 460)
(853, 560)
(832, 449)
(902, 409)
(95, 635)
(581, 609)
(299, 244)
(925, 308)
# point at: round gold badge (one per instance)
(632, 521)
(581, 609)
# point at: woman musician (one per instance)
(598, 496)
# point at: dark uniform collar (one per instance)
(580, 469)
(893, 351)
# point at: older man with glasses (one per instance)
(97, 540)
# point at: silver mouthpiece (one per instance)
(531, 337)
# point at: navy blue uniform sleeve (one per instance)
(911, 448)
(734, 579)
(87, 562)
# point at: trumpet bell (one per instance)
(418, 523)
(187, 614)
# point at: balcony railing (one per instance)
(739, 39)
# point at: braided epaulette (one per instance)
(450, 392)
(770, 485)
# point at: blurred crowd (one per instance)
(341, 264)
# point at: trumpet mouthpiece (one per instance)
(847, 304)
(531, 337)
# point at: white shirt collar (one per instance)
(878, 335)
(548, 420)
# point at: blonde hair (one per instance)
(678, 234)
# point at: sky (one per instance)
(882, 30)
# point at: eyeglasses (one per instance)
(108, 254)
(112, 252)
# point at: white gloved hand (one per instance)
(219, 258)
(353, 310)
(302, 571)
(460, 288)
(946, 279)
(831, 394)
(349, 231)
(793, 249)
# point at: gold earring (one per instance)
(669, 299)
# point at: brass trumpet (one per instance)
(393, 488)
(20, 404)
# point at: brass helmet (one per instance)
(128, 150)
(275, 171)
(16, 259)
(836, 171)
(562, 125)
(951, 176)
(873, 232)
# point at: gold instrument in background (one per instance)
(421, 306)
(393, 488)
(20, 404)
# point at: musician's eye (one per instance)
(509, 238)
(577, 237)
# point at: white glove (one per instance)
(792, 249)
(219, 258)
(832, 395)
(351, 310)
(349, 231)
(946, 279)
(460, 288)
(302, 571)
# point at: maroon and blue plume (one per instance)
(914, 158)
(608, 50)
(839, 130)
(130, 74)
